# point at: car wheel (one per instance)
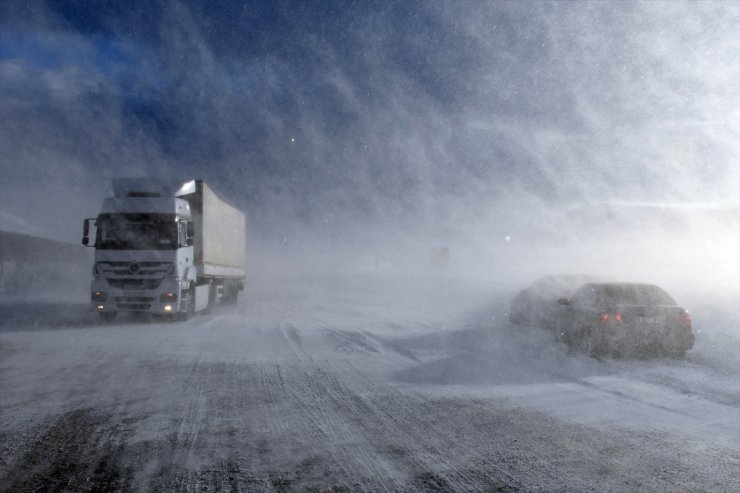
(676, 353)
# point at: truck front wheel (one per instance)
(107, 316)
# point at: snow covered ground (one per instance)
(364, 385)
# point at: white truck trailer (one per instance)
(166, 248)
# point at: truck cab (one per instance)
(145, 252)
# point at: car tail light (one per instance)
(686, 317)
(604, 317)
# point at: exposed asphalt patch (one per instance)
(80, 451)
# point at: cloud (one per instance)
(434, 121)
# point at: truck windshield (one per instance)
(136, 232)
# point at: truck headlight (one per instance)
(168, 296)
(99, 296)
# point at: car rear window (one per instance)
(621, 294)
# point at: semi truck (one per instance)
(169, 248)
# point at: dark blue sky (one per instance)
(410, 112)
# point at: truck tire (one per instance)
(107, 317)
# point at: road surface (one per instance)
(337, 386)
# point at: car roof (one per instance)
(566, 279)
(620, 285)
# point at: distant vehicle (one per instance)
(621, 319)
(537, 304)
(165, 247)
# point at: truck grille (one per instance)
(140, 299)
(129, 283)
(134, 270)
(134, 302)
(133, 306)
(138, 268)
(134, 276)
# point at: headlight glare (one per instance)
(168, 296)
(99, 296)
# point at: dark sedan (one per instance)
(621, 319)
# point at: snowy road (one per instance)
(338, 389)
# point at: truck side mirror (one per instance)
(190, 234)
(189, 241)
(85, 232)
